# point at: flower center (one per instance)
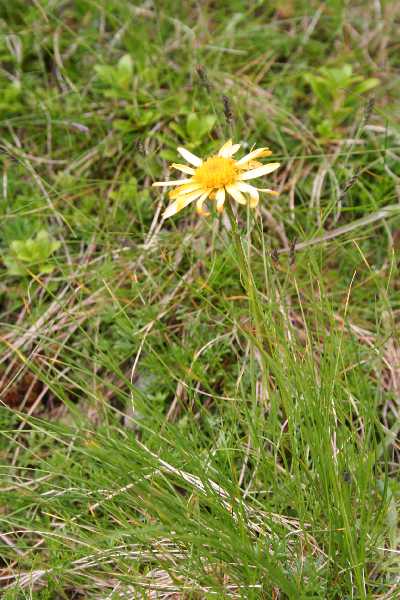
(216, 172)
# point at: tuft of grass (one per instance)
(185, 413)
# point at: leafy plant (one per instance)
(136, 119)
(336, 96)
(194, 131)
(10, 99)
(31, 255)
(196, 128)
(117, 78)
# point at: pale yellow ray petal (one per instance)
(250, 190)
(247, 188)
(191, 158)
(220, 199)
(183, 168)
(234, 149)
(236, 194)
(252, 164)
(225, 147)
(228, 152)
(171, 182)
(260, 171)
(253, 202)
(184, 189)
(180, 203)
(268, 191)
(199, 205)
(254, 154)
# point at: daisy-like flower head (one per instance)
(216, 177)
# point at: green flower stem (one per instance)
(249, 284)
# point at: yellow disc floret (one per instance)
(216, 172)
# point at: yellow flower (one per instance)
(216, 177)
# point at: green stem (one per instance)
(248, 281)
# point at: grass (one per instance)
(186, 411)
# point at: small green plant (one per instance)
(135, 119)
(336, 96)
(116, 78)
(194, 131)
(10, 97)
(196, 128)
(31, 255)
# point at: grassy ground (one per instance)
(164, 434)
